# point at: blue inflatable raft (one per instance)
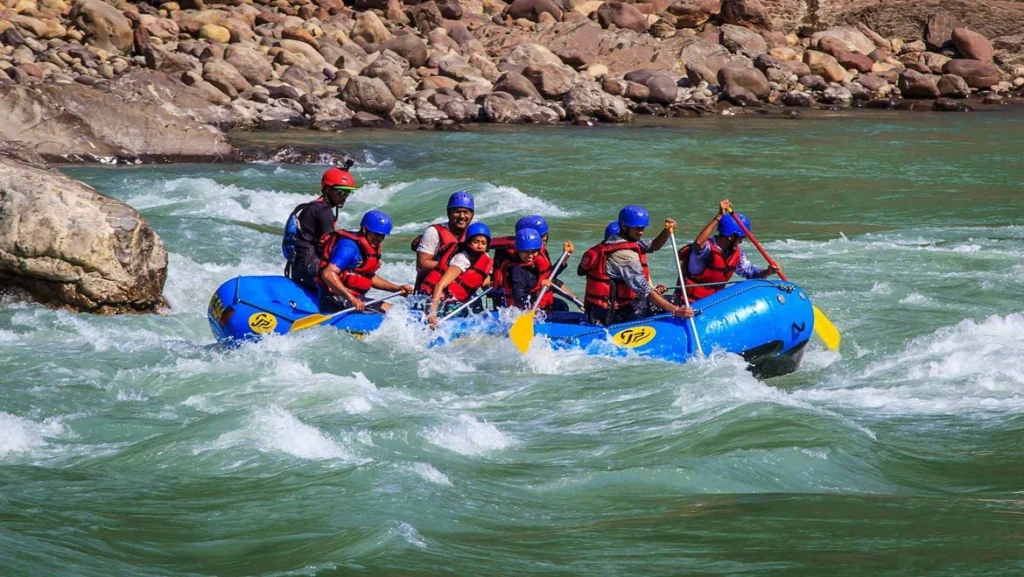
(767, 322)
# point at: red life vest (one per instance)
(464, 285)
(448, 241)
(602, 291)
(719, 269)
(541, 267)
(360, 279)
(504, 248)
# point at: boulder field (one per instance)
(86, 79)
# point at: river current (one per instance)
(132, 445)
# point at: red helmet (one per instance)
(338, 177)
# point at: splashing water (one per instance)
(132, 445)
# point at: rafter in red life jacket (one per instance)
(719, 270)
(541, 267)
(447, 242)
(464, 285)
(602, 291)
(360, 279)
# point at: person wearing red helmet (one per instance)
(310, 221)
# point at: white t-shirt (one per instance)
(460, 260)
(430, 241)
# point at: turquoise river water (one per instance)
(132, 446)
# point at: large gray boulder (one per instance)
(517, 85)
(250, 63)
(500, 107)
(145, 114)
(68, 245)
(372, 95)
(743, 41)
(587, 99)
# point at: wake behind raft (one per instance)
(768, 323)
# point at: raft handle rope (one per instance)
(696, 311)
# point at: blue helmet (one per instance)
(376, 221)
(478, 228)
(634, 215)
(612, 229)
(533, 221)
(528, 239)
(461, 199)
(728, 227)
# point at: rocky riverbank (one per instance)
(88, 79)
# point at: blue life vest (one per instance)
(291, 233)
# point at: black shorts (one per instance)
(302, 269)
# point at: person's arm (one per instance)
(344, 256)
(660, 240)
(426, 260)
(705, 233)
(333, 281)
(435, 299)
(663, 304)
(632, 273)
(383, 284)
(746, 269)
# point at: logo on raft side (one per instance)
(262, 323)
(634, 337)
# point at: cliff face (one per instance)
(1001, 22)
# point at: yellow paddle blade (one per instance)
(521, 332)
(826, 330)
(306, 322)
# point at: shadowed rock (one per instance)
(67, 245)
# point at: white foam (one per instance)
(411, 536)
(206, 198)
(969, 368)
(915, 299)
(126, 395)
(20, 435)
(275, 430)
(733, 386)
(493, 201)
(429, 473)
(190, 283)
(468, 436)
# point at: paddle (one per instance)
(564, 293)
(823, 327)
(521, 332)
(686, 298)
(314, 320)
(465, 305)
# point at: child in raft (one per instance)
(466, 268)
